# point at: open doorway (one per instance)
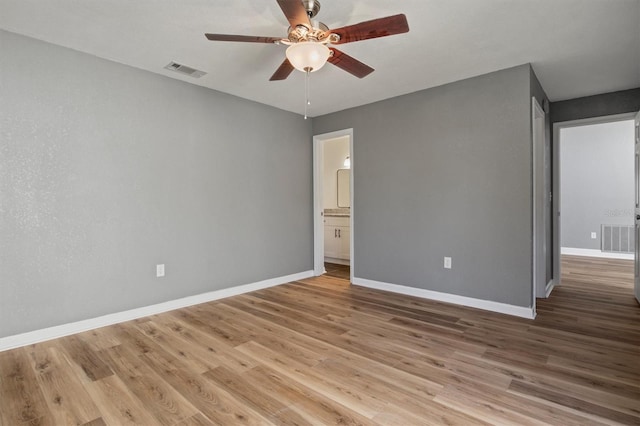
(333, 204)
(594, 169)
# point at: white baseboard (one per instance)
(550, 286)
(337, 261)
(487, 305)
(31, 337)
(595, 253)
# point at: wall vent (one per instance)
(183, 69)
(617, 238)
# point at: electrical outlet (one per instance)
(593, 236)
(160, 270)
(447, 263)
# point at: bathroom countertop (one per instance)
(339, 212)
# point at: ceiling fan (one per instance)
(308, 39)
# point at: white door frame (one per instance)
(636, 212)
(541, 288)
(318, 207)
(557, 231)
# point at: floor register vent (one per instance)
(183, 69)
(617, 239)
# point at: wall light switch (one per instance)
(447, 263)
(160, 270)
(593, 236)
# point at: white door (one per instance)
(541, 202)
(636, 278)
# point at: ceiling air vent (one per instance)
(183, 69)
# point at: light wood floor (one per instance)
(323, 352)
(337, 271)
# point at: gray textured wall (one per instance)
(106, 170)
(596, 180)
(445, 172)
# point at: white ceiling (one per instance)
(577, 47)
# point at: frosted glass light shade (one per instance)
(307, 55)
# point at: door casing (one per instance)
(636, 219)
(318, 207)
(557, 272)
(541, 287)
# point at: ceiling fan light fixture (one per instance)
(308, 56)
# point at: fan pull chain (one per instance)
(306, 93)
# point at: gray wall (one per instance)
(596, 106)
(445, 172)
(596, 180)
(106, 170)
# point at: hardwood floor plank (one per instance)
(215, 350)
(276, 409)
(606, 392)
(96, 422)
(212, 323)
(315, 407)
(118, 405)
(481, 407)
(397, 395)
(84, 357)
(337, 270)
(216, 403)
(21, 398)
(67, 399)
(196, 420)
(42, 421)
(315, 325)
(580, 367)
(316, 351)
(352, 401)
(144, 347)
(99, 339)
(561, 398)
(410, 338)
(532, 410)
(165, 404)
(190, 356)
(341, 304)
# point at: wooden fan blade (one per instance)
(243, 38)
(349, 64)
(375, 28)
(283, 71)
(295, 13)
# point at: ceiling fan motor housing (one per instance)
(300, 33)
(312, 7)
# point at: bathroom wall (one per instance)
(334, 153)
